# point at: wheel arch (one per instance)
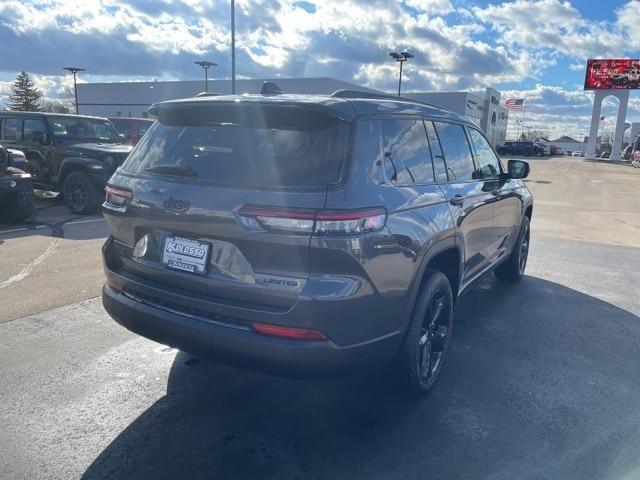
(72, 164)
(528, 211)
(445, 256)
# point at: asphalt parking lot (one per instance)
(542, 381)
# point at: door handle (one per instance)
(457, 199)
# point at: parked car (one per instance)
(635, 150)
(132, 129)
(555, 150)
(16, 190)
(521, 148)
(577, 154)
(546, 149)
(305, 235)
(71, 154)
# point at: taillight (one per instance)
(354, 221)
(292, 220)
(293, 333)
(325, 222)
(117, 197)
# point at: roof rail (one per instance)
(347, 93)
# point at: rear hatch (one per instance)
(218, 200)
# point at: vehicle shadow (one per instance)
(541, 382)
(52, 218)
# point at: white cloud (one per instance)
(457, 45)
(437, 7)
(553, 25)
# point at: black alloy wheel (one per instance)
(435, 336)
(421, 357)
(80, 194)
(513, 267)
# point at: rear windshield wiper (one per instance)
(172, 170)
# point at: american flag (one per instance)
(515, 104)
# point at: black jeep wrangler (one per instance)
(71, 154)
(16, 189)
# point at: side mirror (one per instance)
(39, 137)
(518, 169)
(122, 136)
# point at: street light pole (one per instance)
(233, 47)
(205, 64)
(74, 70)
(400, 57)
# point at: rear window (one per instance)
(255, 145)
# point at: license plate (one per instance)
(186, 255)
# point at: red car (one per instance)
(132, 128)
(555, 150)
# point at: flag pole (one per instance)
(524, 109)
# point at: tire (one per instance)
(20, 204)
(512, 270)
(80, 194)
(428, 332)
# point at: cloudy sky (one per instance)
(526, 48)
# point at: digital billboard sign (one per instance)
(612, 73)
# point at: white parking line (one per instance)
(30, 266)
(38, 227)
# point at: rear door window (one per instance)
(487, 163)
(245, 145)
(457, 153)
(439, 167)
(31, 125)
(406, 151)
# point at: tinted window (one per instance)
(9, 128)
(142, 129)
(456, 150)
(255, 145)
(487, 164)
(30, 125)
(436, 151)
(87, 129)
(367, 145)
(123, 128)
(406, 151)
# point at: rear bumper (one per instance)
(241, 346)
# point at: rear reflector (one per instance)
(319, 222)
(115, 287)
(292, 333)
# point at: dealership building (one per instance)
(133, 99)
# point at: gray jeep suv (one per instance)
(308, 235)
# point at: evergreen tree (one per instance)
(24, 96)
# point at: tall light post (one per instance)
(233, 47)
(205, 65)
(401, 57)
(74, 70)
